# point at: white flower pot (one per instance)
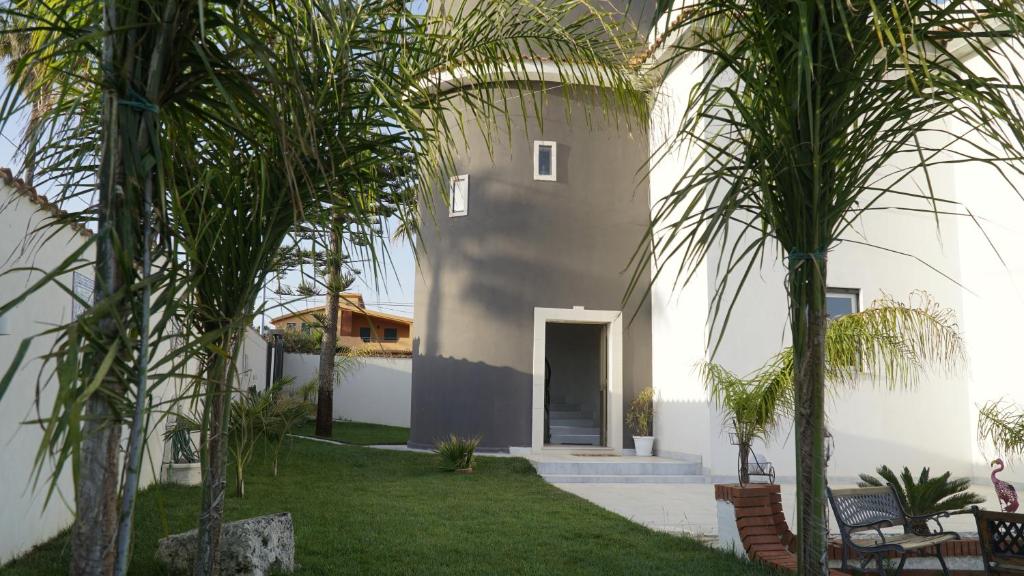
(184, 474)
(644, 445)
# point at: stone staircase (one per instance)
(577, 468)
(571, 425)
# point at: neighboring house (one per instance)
(359, 328)
(522, 336)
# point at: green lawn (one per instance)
(368, 511)
(362, 433)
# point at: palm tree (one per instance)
(752, 408)
(799, 113)
(890, 342)
(215, 155)
(1001, 423)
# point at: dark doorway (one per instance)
(574, 385)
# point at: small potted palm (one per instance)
(640, 420)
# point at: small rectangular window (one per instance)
(306, 328)
(291, 327)
(545, 160)
(458, 196)
(391, 334)
(365, 334)
(841, 301)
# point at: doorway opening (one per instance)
(575, 384)
(582, 407)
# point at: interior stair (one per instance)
(570, 425)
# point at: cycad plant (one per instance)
(805, 115)
(925, 495)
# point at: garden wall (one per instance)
(377, 391)
(26, 520)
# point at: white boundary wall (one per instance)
(379, 391)
(24, 520)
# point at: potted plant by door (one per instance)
(640, 420)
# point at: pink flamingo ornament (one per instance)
(1004, 490)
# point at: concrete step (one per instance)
(564, 407)
(561, 414)
(576, 439)
(571, 422)
(623, 466)
(621, 479)
(562, 430)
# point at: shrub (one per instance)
(299, 343)
(457, 453)
(640, 416)
(925, 495)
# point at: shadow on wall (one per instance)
(522, 245)
(496, 406)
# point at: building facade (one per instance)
(524, 272)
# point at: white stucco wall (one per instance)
(25, 521)
(933, 425)
(378, 391)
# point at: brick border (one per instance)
(762, 524)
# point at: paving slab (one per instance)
(691, 509)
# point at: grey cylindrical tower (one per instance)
(525, 234)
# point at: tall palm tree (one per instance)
(799, 114)
(154, 63)
(890, 342)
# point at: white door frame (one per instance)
(612, 319)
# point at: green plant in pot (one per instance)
(640, 421)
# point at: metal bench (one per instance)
(872, 509)
(1001, 535)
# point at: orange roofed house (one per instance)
(360, 329)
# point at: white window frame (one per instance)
(553, 177)
(452, 212)
(852, 294)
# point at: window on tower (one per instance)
(458, 196)
(545, 160)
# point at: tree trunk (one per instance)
(744, 463)
(807, 313)
(216, 414)
(329, 345)
(94, 533)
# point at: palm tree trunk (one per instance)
(220, 374)
(744, 463)
(329, 345)
(807, 313)
(94, 534)
(95, 530)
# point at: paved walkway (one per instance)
(691, 508)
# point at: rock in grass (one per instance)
(252, 547)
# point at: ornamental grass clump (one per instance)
(640, 416)
(457, 453)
